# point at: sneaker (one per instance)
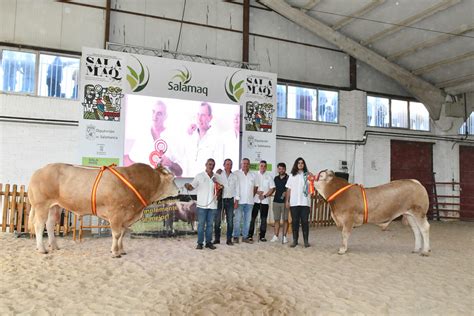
(216, 242)
(236, 240)
(210, 246)
(229, 243)
(263, 239)
(274, 239)
(294, 244)
(199, 247)
(285, 240)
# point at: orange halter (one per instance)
(127, 183)
(364, 196)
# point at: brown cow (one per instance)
(385, 203)
(67, 186)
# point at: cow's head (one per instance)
(323, 181)
(166, 186)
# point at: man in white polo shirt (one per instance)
(265, 188)
(206, 185)
(244, 201)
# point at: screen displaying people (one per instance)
(179, 134)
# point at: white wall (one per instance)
(26, 147)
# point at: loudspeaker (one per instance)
(343, 175)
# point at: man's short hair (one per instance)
(210, 159)
(246, 159)
(263, 161)
(281, 164)
(227, 159)
(209, 108)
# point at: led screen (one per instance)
(180, 134)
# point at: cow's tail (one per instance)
(31, 220)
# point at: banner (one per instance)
(176, 113)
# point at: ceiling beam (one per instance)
(443, 5)
(455, 81)
(311, 4)
(444, 62)
(431, 42)
(344, 21)
(425, 92)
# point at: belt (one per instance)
(228, 198)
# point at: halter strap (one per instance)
(118, 175)
(364, 196)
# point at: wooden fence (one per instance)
(14, 205)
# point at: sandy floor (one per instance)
(379, 275)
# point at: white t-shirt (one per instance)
(264, 182)
(144, 146)
(199, 150)
(230, 183)
(204, 187)
(246, 186)
(296, 185)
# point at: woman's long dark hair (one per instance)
(294, 170)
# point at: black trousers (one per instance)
(300, 214)
(263, 208)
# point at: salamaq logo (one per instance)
(234, 90)
(183, 78)
(137, 80)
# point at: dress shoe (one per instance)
(247, 240)
(306, 245)
(293, 245)
(199, 247)
(236, 240)
(216, 242)
(229, 243)
(263, 239)
(250, 238)
(210, 246)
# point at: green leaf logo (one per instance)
(234, 91)
(184, 76)
(137, 81)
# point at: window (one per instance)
(399, 113)
(54, 75)
(58, 76)
(307, 104)
(419, 117)
(377, 111)
(281, 101)
(18, 71)
(469, 125)
(394, 113)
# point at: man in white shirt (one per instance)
(265, 188)
(231, 188)
(244, 201)
(206, 184)
(147, 149)
(204, 141)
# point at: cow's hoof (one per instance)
(342, 251)
(42, 251)
(116, 256)
(425, 253)
(416, 251)
(123, 253)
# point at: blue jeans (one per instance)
(245, 211)
(228, 206)
(205, 220)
